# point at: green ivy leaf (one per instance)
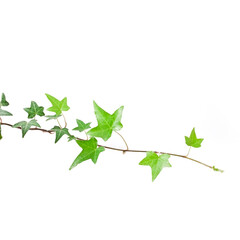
(51, 117)
(71, 137)
(193, 141)
(157, 163)
(4, 113)
(34, 110)
(60, 132)
(107, 123)
(25, 126)
(81, 126)
(89, 151)
(4, 102)
(57, 106)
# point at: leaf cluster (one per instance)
(107, 124)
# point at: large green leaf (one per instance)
(156, 162)
(89, 151)
(57, 106)
(34, 110)
(107, 123)
(60, 132)
(193, 141)
(25, 126)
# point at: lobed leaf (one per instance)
(25, 126)
(60, 132)
(156, 162)
(34, 110)
(57, 106)
(81, 126)
(107, 123)
(193, 141)
(90, 150)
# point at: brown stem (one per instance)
(120, 149)
(127, 148)
(65, 121)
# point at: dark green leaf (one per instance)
(107, 123)
(60, 132)
(4, 102)
(89, 151)
(25, 126)
(193, 141)
(156, 162)
(57, 106)
(81, 126)
(71, 137)
(4, 113)
(34, 110)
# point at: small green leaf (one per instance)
(57, 106)
(60, 132)
(51, 117)
(34, 110)
(193, 141)
(25, 126)
(89, 151)
(4, 102)
(4, 113)
(157, 163)
(217, 169)
(71, 137)
(107, 123)
(81, 126)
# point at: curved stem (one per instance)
(123, 140)
(125, 150)
(64, 120)
(59, 124)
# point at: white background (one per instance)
(174, 65)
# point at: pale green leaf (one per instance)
(193, 141)
(4, 113)
(57, 106)
(156, 162)
(25, 126)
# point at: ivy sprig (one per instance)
(107, 124)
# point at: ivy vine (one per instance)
(107, 124)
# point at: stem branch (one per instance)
(120, 149)
(124, 141)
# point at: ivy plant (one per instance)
(107, 124)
